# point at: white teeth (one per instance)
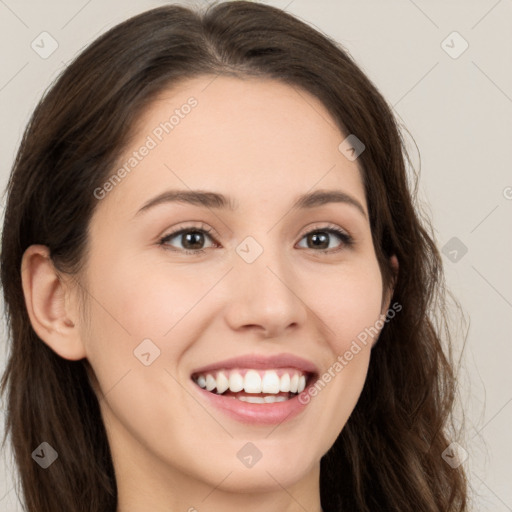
(272, 399)
(294, 383)
(270, 383)
(285, 383)
(252, 382)
(210, 383)
(222, 382)
(262, 400)
(252, 399)
(236, 382)
(302, 384)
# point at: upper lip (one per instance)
(261, 362)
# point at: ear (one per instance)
(51, 304)
(388, 294)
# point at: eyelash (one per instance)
(331, 229)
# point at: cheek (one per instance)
(147, 300)
(349, 305)
(348, 302)
(132, 301)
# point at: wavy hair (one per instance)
(388, 456)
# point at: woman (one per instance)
(208, 233)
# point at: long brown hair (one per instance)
(389, 454)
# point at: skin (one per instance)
(263, 143)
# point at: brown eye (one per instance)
(321, 239)
(192, 240)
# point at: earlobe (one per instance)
(49, 307)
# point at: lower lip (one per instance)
(246, 412)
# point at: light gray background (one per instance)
(459, 111)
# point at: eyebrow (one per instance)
(219, 201)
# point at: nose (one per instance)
(265, 296)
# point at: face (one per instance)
(192, 294)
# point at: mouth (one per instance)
(254, 385)
(256, 389)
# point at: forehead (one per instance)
(255, 138)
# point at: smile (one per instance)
(256, 389)
(254, 386)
